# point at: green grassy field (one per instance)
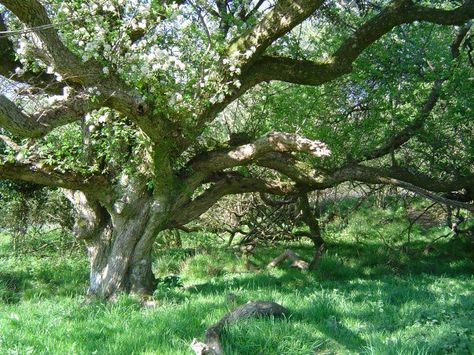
(364, 298)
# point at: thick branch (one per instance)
(300, 172)
(271, 142)
(246, 49)
(40, 123)
(314, 179)
(310, 219)
(9, 64)
(281, 19)
(296, 71)
(420, 184)
(111, 88)
(91, 214)
(456, 16)
(201, 167)
(94, 185)
(390, 176)
(317, 72)
(10, 143)
(396, 13)
(33, 14)
(227, 185)
(257, 68)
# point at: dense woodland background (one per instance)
(163, 163)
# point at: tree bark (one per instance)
(311, 219)
(120, 258)
(119, 243)
(114, 269)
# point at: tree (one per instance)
(133, 108)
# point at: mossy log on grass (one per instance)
(212, 342)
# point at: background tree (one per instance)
(137, 108)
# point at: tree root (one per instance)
(212, 342)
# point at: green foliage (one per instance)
(37, 219)
(63, 148)
(357, 300)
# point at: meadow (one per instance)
(367, 296)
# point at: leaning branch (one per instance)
(271, 142)
(34, 15)
(398, 12)
(316, 179)
(226, 184)
(246, 49)
(400, 138)
(9, 63)
(284, 16)
(111, 88)
(64, 111)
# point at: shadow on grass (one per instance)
(341, 264)
(12, 283)
(397, 292)
(355, 292)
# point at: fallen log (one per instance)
(298, 262)
(212, 336)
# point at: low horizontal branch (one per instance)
(94, 185)
(315, 179)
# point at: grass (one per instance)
(364, 298)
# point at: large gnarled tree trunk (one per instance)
(119, 242)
